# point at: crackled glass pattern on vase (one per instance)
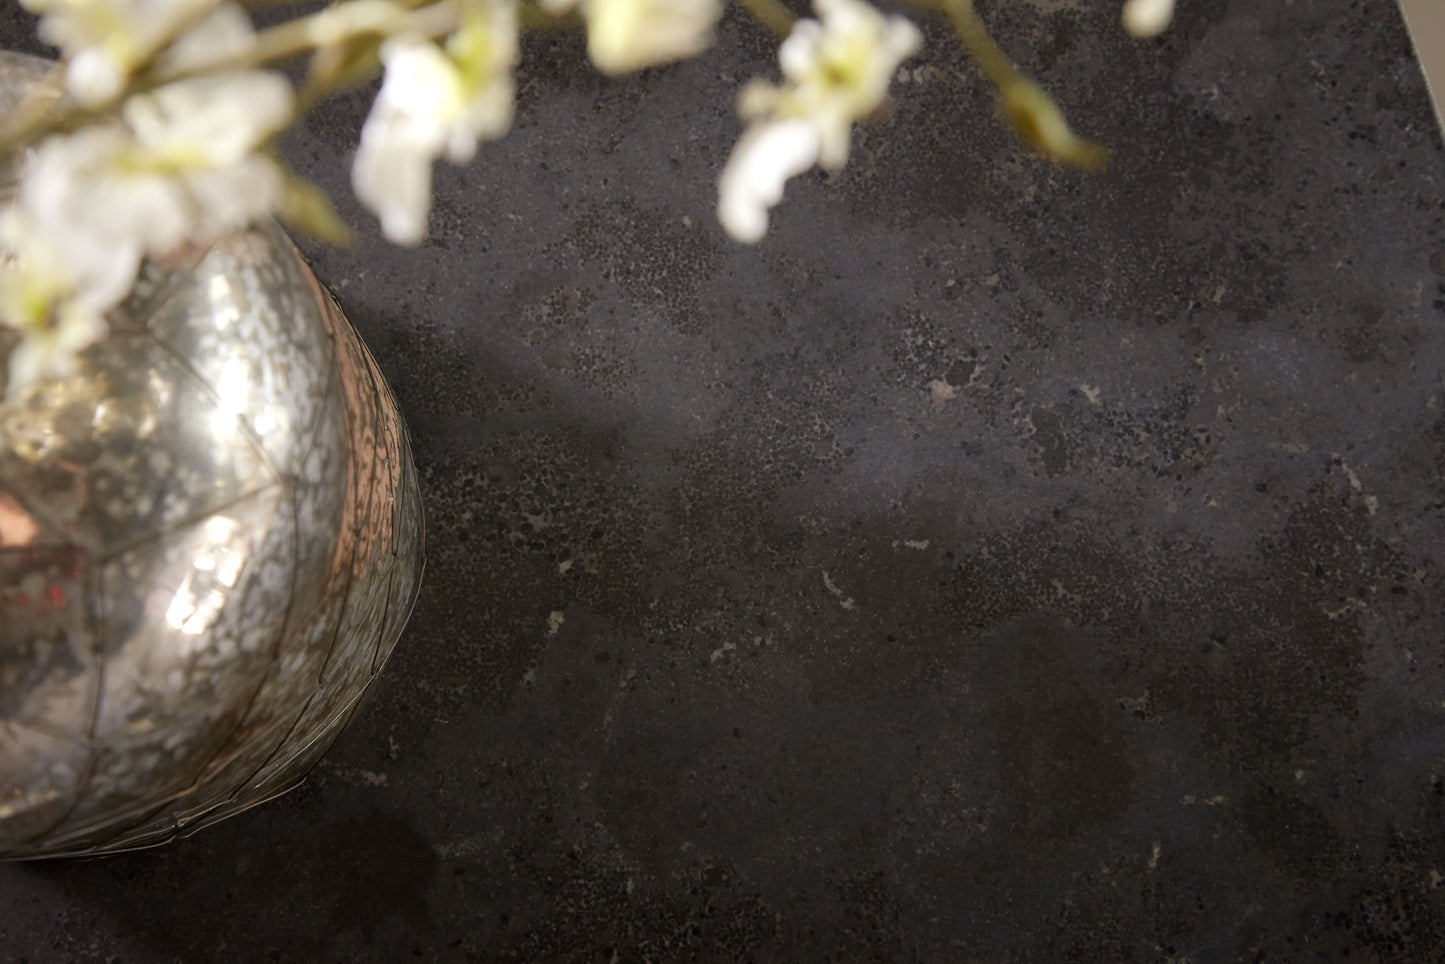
(210, 539)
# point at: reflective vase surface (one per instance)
(210, 539)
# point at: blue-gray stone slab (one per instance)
(998, 563)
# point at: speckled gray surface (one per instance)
(998, 563)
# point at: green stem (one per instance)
(531, 16)
(33, 109)
(1033, 115)
(335, 68)
(287, 40)
(976, 40)
(771, 14)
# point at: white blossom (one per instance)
(105, 41)
(836, 70)
(767, 155)
(628, 35)
(41, 298)
(225, 33)
(181, 167)
(213, 121)
(75, 197)
(434, 102)
(1147, 18)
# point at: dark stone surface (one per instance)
(999, 563)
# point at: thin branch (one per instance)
(1029, 111)
(282, 42)
(771, 14)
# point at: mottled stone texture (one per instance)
(998, 563)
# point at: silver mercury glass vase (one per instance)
(210, 539)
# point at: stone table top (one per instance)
(997, 563)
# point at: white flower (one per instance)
(225, 33)
(43, 300)
(72, 199)
(212, 121)
(91, 205)
(767, 155)
(836, 71)
(1147, 18)
(628, 35)
(434, 102)
(183, 169)
(409, 126)
(105, 41)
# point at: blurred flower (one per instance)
(767, 155)
(182, 168)
(105, 41)
(91, 205)
(225, 33)
(1147, 18)
(628, 35)
(210, 122)
(73, 199)
(836, 71)
(434, 102)
(40, 298)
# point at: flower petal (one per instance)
(1147, 18)
(628, 35)
(765, 158)
(108, 40)
(837, 70)
(213, 120)
(394, 181)
(434, 102)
